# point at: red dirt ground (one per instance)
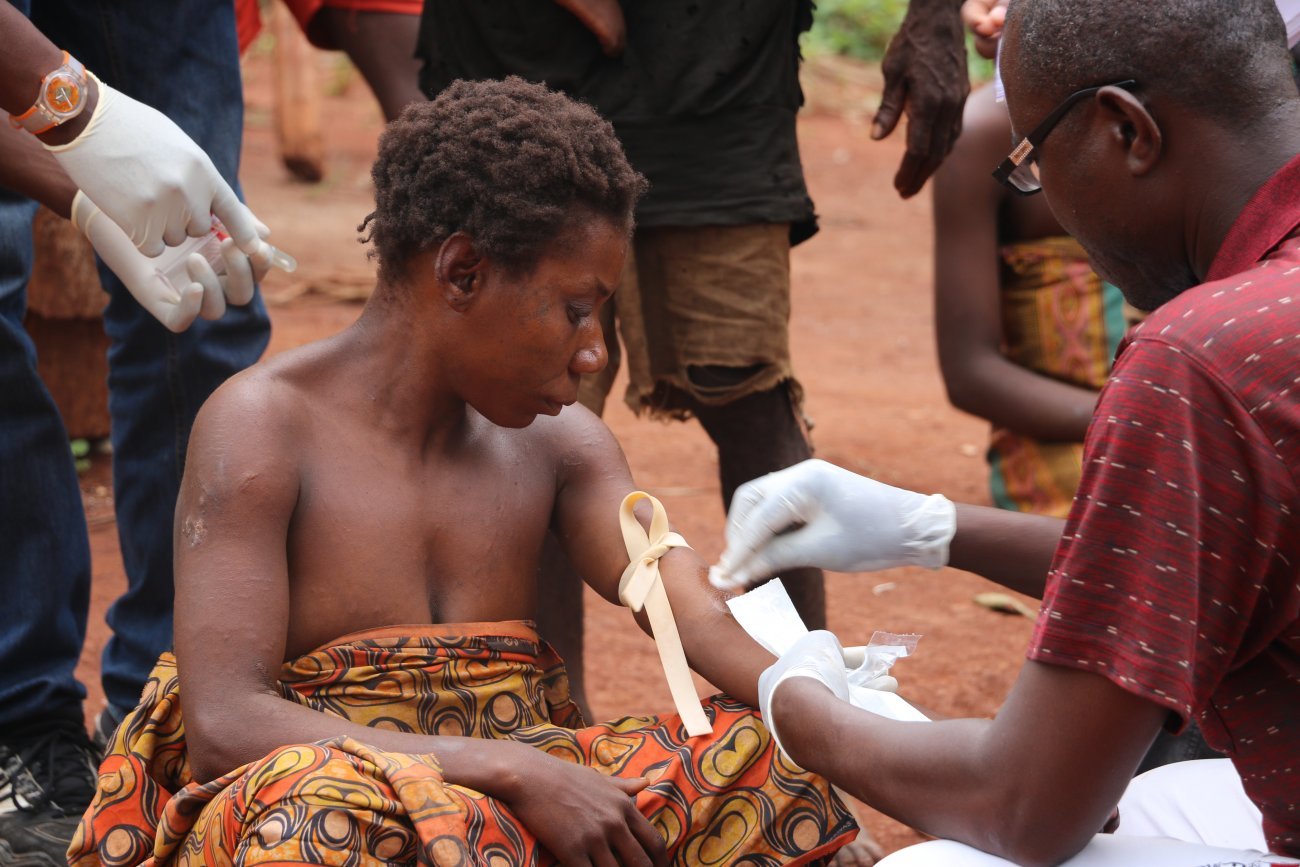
(863, 348)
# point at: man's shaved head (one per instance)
(1223, 60)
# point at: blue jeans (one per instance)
(181, 57)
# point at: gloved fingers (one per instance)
(238, 219)
(199, 216)
(241, 281)
(761, 511)
(176, 308)
(214, 294)
(183, 214)
(817, 655)
(147, 235)
(855, 658)
(883, 683)
(181, 315)
(808, 546)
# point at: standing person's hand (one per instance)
(985, 18)
(818, 514)
(150, 178)
(204, 292)
(580, 815)
(926, 79)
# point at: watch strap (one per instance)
(47, 112)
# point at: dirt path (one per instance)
(863, 348)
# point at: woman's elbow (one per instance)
(965, 393)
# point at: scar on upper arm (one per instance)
(194, 530)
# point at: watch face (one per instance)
(63, 93)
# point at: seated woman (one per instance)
(1026, 330)
(357, 543)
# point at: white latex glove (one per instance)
(818, 514)
(817, 655)
(176, 307)
(151, 178)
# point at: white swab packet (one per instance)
(770, 618)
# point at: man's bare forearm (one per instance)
(915, 772)
(1013, 549)
(29, 56)
(28, 168)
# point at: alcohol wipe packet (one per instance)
(769, 616)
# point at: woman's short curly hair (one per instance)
(506, 162)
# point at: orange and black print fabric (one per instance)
(718, 799)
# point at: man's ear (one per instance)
(458, 267)
(1131, 127)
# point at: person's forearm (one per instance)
(221, 740)
(1013, 397)
(28, 168)
(1026, 786)
(28, 57)
(716, 646)
(932, 776)
(1013, 549)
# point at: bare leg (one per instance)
(755, 435)
(559, 616)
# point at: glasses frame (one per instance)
(1025, 152)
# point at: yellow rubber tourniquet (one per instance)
(642, 587)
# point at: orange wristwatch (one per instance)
(62, 97)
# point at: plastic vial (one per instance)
(171, 263)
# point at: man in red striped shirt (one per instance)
(1173, 590)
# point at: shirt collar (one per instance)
(1268, 218)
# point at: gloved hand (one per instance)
(150, 178)
(818, 514)
(856, 658)
(205, 293)
(817, 655)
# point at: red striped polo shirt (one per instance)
(1178, 575)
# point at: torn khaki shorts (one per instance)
(694, 297)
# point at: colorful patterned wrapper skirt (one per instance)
(720, 799)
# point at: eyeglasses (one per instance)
(1019, 170)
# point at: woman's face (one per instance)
(538, 332)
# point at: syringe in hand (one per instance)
(171, 263)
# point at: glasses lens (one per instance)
(1025, 177)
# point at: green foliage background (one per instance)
(855, 28)
(861, 29)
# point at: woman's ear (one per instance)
(1131, 127)
(458, 267)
